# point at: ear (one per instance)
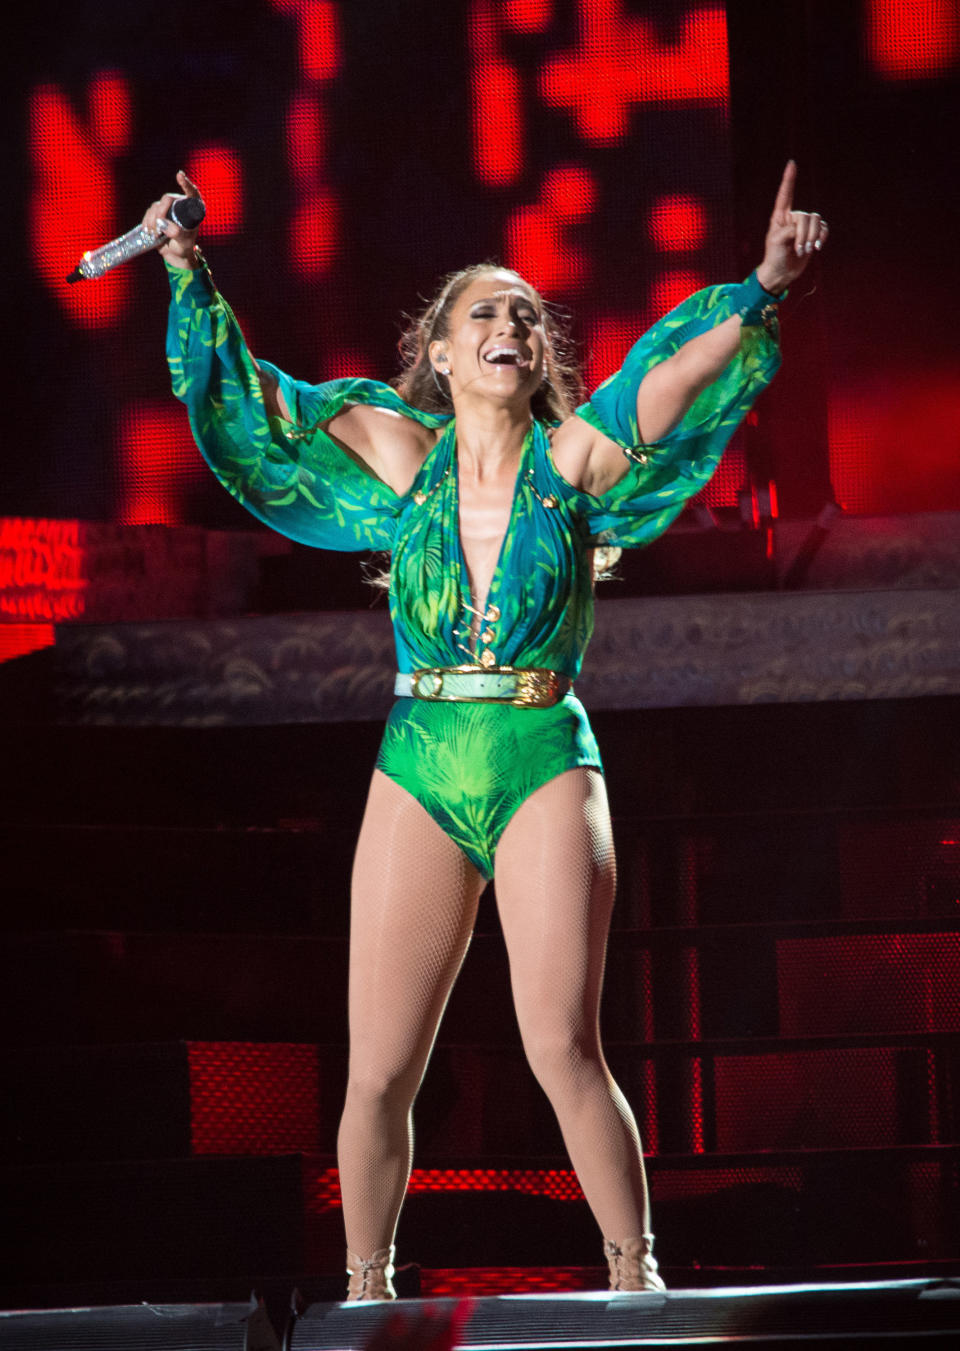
(438, 357)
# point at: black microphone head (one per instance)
(188, 212)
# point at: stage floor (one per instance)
(888, 1313)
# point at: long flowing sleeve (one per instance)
(290, 475)
(665, 475)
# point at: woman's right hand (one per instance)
(179, 244)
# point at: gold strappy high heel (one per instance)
(632, 1264)
(371, 1277)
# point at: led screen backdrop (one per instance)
(619, 153)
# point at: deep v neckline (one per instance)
(466, 590)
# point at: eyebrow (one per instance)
(512, 291)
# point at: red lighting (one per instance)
(527, 16)
(158, 460)
(570, 191)
(73, 203)
(313, 234)
(691, 990)
(724, 488)
(218, 173)
(608, 344)
(871, 420)
(615, 334)
(670, 288)
(18, 640)
(535, 236)
(306, 136)
(912, 39)
(620, 61)
(436, 1282)
(694, 1105)
(678, 223)
(110, 111)
(348, 362)
(497, 116)
(42, 572)
(253, 1098)
(323, 1191)
(319, 38)
(889, 983)
(837, 1098)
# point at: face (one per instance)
(495, 343)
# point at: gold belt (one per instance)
(523, 688)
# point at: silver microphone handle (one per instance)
(134, 242)
(187, 212)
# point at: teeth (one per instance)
(502, 355)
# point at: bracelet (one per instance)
(757, 304)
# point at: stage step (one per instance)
(907, 1313)
(894, 1314)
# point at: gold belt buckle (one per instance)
(536, 689)
(427, 684)
(532, 688)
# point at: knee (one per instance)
(560, 1060)
(373, 1092)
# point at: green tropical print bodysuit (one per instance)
(470, 765)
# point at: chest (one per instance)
(484, 515)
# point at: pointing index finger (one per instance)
(782, 206)
(189, 188)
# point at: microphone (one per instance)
(187, 212)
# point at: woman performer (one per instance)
(491, 493)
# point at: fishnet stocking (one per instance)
(414, 902)
(413, 909)
(555, 882)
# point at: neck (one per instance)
(490, 437)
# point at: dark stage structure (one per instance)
(190, 706)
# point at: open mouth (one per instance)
(506, 356)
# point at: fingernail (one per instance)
(809, 248)
(818, 244)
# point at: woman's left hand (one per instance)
(792, 237)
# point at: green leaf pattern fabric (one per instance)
(471, 765)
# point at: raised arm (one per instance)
(272, 441)
(657, 388)
(392, 446)
(666, 393)
(180, 250)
